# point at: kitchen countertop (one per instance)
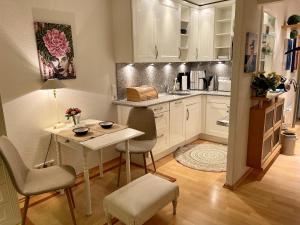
(169, 98)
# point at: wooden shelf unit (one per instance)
(264, 143)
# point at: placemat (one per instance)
(95, 131)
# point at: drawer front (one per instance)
(162, 128)
(192, 100)
(176, 104)
(218, 99)
(69, 143)
(164, 107)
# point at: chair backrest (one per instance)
(143, 119)
(16, 167)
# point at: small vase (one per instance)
(76, 119)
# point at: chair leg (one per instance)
(72, 197)
(174, 202)
(67, 190)
(145, 163)
(153, 163)
(26, 204)
(120, 166)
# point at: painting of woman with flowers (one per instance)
(55, 50)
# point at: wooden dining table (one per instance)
(95, 144)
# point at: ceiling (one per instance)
(201, 2)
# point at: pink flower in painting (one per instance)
(56, 43)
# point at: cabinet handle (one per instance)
(156, 52)
(67, 141)
(197, 53)
(160, 136)
(179, 56)
(160, 116)
(179, 102)
(187, 114)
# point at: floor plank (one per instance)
(273, 200)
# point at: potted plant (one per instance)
(262, 83)
(75, 114)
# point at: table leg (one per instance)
(58, 151)
(101, 163)
(128, 175)
(58, 158)
(87, 187)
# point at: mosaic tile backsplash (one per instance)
(162, 75)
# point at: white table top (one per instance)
(103, 140)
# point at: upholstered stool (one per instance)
(138, 201)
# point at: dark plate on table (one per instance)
(80, 131)
(106, 124)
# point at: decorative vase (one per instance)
(76, 119)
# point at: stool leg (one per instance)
(145, 164)
(120, 165)
(174, 202)
(153, 163)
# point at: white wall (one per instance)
(248, 16)
(27, 109)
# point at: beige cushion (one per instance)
(53, 178)
(137, 146)
(141, 199)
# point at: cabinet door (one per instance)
(192, 124)
(144, 16)
(206, 34)
(168, 31)
(194, 35)
(214, 112)
(177, 122)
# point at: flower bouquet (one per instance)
(74, 113)
(263, 82)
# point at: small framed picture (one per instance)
(251, 52)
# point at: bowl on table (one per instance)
(80, 131)
(106, 124)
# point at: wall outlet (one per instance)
(47, 164)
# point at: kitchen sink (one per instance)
(179, 93)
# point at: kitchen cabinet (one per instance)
(192, 117)
(206, 34)
(192, 123)
(177, 122)
(217, 107)
(144, 22)
(180, 121)
(148, 31)
(201, 39)
(193, 35)
(168, 27)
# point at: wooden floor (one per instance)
(203, 200)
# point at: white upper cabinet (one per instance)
(194, 36)
(168, 28)
(206, 34)
(144, 24)
(201, 39)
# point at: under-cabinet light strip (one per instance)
(206, 3)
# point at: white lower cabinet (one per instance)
(9, 209)
(216, 109)
(177, 122)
